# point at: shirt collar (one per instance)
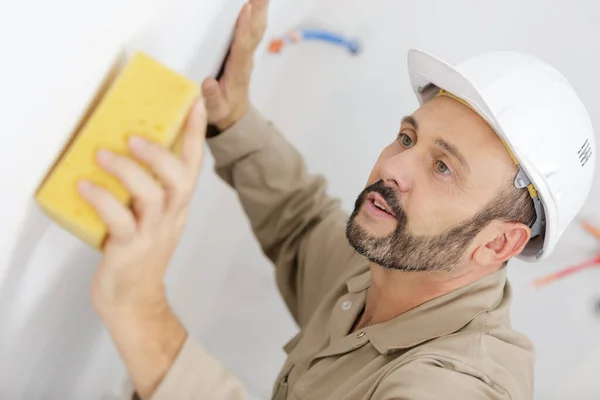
(438, 317)
(360, 282)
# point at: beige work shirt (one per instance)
(457, 346)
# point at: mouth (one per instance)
(378, 205)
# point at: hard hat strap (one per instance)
(521, 181)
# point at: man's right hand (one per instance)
(228, 99)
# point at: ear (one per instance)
(509, 241)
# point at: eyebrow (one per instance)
(453, 150)
(409, 119)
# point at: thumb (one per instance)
(216, 106)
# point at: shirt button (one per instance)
(360, 334)
(346, 305)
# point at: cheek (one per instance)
(423, 212)
(430, 214)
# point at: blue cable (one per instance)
(315, 34)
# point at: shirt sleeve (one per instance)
(197, 375)
(425, 379)
(300, 228)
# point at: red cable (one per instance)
(567, 271)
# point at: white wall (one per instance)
(52, 346)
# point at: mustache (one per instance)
(390, 196)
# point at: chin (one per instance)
(375, 229)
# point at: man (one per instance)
(407, 297)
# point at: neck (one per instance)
(394, 292)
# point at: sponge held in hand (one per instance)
(146, 99)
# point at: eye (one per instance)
(442, 168)
(406, 140)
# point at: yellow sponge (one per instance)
(145, 99)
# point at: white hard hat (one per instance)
(539, 117)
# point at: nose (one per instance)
(399, 171)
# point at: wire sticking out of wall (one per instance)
(299, 35)
(566, 272)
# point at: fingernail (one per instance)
(104, 155)
(137, 142)
(210, 86)
(84, 185)
(198, 108)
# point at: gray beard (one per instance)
(401, 250)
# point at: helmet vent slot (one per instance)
(585, 152)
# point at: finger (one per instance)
(260, 12)
(148, 196)
(216, 106)
(239, 66)
(171, 171)
(194, 138)
(119, 220)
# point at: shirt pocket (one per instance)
(281, 389)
